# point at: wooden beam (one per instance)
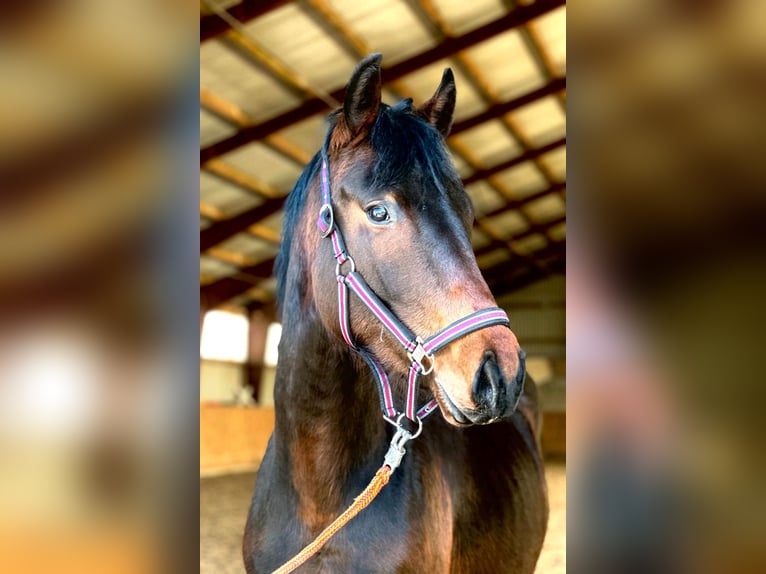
(210, 211)
(225, 110)
(332, 23)
(481, 174)
(447, 48)
(230, 257)
(531, 230)
(429, 15)
(241, 179)
(234, 115)
(506, 278)
(265, 233)
(503, 108)
(518, 203)
(269, 63)
(212, 25)
(222, 230)
(259, 231)
(229, 287)
(469, 158)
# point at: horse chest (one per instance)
(407, 528)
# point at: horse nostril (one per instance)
(488, 386)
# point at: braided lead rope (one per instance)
(391, 462)
(360, 503)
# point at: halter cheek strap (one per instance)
(420, 352)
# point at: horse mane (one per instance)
(404, 144)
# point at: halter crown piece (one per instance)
(419, 351)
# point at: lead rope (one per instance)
(360, 503)
(392, 460)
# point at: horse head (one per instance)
(407, 221)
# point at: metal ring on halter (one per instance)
(418, 354)
(420, 425)
(338, 266)
(401, 428)
(326, 214)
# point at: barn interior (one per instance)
(270, 71)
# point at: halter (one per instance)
(419, 351)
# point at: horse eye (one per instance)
(378, 214)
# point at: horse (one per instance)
(382, 204)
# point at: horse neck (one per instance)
(328, 420)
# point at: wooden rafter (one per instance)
(333, 24)
(222, 230)
(269, 63)
(502, 108)
(229, 287)
(234, 175)
(212, 25)
(445, 49)
(528, 155)
(234, 115)
(225, 229)
(521, 269)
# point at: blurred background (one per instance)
(665, 284)
(99, 265)
(269, 74)
(98, 285)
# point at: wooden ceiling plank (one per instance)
(212, 25)
(484, 173)
(225, 110)
(539, 54)
(231, 257)
(263, 232)
(241, 179)
(269, 63)
(222, 230)
(227, 288)
(234, 115)
(500, 109)
(210, 211)
(331, 22)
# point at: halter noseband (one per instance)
(420, 352)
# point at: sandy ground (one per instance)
(224, 502)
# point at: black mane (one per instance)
(404, 144)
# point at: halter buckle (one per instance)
(418, 354)
(326, 216)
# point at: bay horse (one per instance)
(469, 496)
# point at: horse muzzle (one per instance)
(494, 394)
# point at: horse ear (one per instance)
(439, 109)
(362, 102)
